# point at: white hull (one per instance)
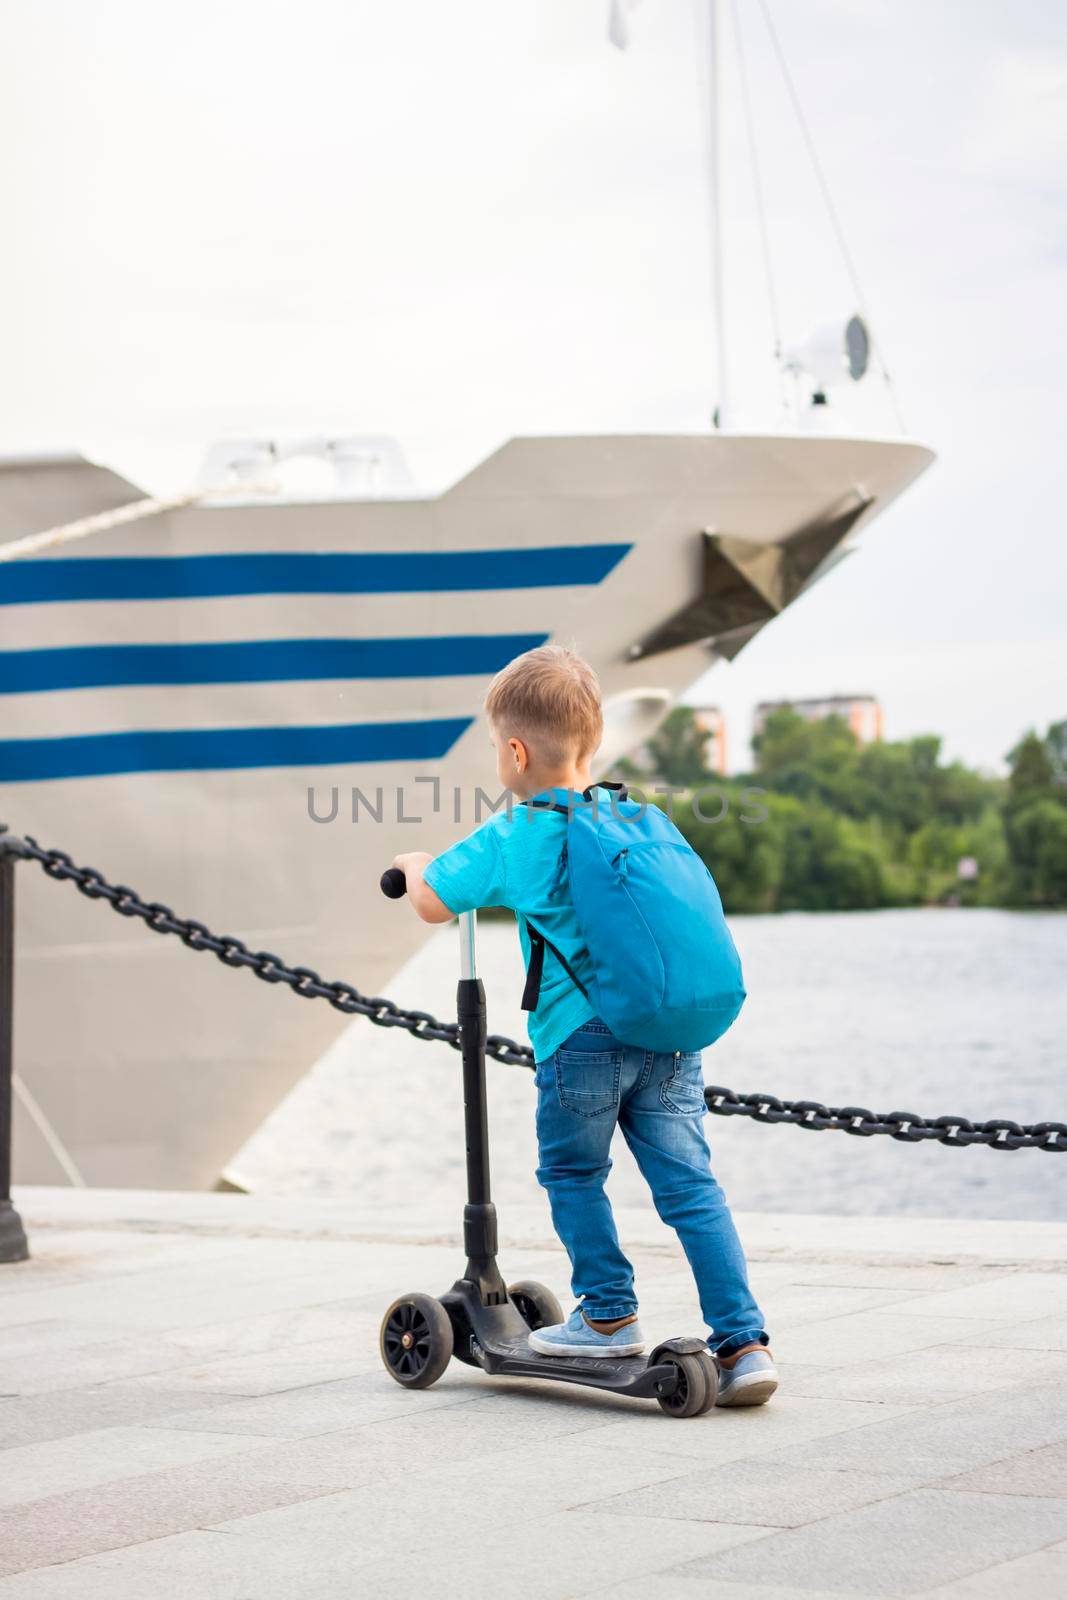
(151, 1066)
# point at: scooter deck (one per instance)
(629, 1375)
(495, 1338)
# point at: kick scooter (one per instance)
(483, 1321)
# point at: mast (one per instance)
(721, 415)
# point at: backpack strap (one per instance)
(531, 994)
(618, 789)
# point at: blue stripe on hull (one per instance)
(101, 666)
(99, 755)
(214, 576)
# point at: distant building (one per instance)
(861, 712)
(712, 724)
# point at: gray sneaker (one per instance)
(749, 1382)
(576, 1338)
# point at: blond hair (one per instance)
(550, 699)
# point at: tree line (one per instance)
(856, 827)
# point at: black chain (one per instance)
(233, 952)
(998, 1133)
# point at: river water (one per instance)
(932, 1011)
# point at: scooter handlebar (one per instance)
(394, 883)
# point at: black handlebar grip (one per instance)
(394, 883)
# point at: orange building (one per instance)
(862, 712)
(712, 724)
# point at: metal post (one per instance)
(13, 1244)
(715, 162)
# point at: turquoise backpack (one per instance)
(666, 973)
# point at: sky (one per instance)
(458, 223)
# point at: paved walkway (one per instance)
(193, 1408)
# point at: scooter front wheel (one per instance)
(416, 1340)
(696, 1388)
(536, 1305)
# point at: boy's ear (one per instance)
(520, 754)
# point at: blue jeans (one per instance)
(590, 1084)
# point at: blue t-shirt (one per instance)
(518, 862)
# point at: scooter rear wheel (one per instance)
(416, 1340)
(696, 1389)
(536, 1305)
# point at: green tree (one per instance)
(827, 867)
(1035, 822)
(676, 752)
(987, 842)
(811, 760)
(1056, 746)
(1037, 843)
(933, 855)
(852, 826)
(745, 859)
(892, 783)
(1032, 773)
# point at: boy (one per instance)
(546, 723)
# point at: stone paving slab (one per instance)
(845, 1340)
(191, 1404)
(272, 1371)
(36, 1418)
(1042, 1472)
(301, 1412)
(946, 1437)
(130, 1511)
(481, 1495)
(1044, 1333)
(793, 1423)
(1021, 1297)
(39, 1369)
(948, 1371)
(872, 1242)
(798, 1305)
(85, 1460)
(753, 1491)
(1041, 1576)
(275, 1330)
(559, 1552)
(683, 1583)
(898, 1546)
(914, 1276)
(458, 1564)
(85, 1254)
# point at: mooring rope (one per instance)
(133, 511)
(998, 1133)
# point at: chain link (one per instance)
(263, 964)
(999, 1133)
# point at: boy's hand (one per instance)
(424, 902)
(412, 861)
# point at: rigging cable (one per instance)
(831, 210)
(761, 209)
(34, 1111)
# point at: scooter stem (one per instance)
(479, 1214)
(468, 955)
